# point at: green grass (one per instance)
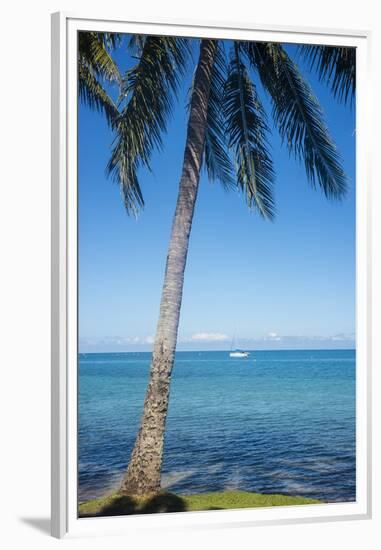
(118, 504)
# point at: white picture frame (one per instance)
(64, 279)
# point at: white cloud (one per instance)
(209, 337)
(342, 336)
(219, 340)
(111, 340)
(273, 336)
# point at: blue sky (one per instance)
(286, 284)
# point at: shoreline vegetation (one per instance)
(118, 504)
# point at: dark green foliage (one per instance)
(298, 116)
(247, 129)
(146, 101)
(95, 66)
(217, 159)
(236, 149)
(335, 65)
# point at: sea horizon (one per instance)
(227, 350)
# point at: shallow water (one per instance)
(284, 423)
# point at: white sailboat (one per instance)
(238, 353)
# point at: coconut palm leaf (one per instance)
(247, 128)
(298, 116)
(217, 159)
(335, 65)
(95, 65)
(94, 95)
(146, 102)
(93, 50)
(136, 42)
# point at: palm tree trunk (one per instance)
(143, 472)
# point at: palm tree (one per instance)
(227, 129)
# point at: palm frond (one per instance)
(217, 160)
(335, 65)
(136, 42)
(299, 117)
(93, 51)
(93, 94)
(96, 66)
(111, 39)
(247, 130)
(146, 102)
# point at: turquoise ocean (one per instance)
(278, 422)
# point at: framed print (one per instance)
(211, 275)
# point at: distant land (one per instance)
(113, 345)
